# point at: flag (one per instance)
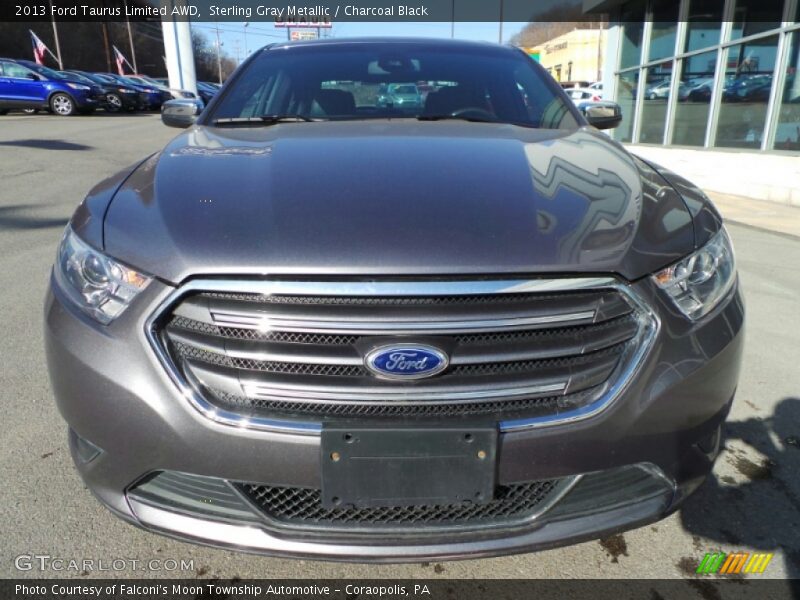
(120, 59)
(39, 48)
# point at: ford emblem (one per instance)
(413, 361)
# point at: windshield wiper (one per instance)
(264, 120)
(473, 119)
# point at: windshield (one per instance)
(74, 77)
(351, 81)
(129, 81)
(49, 73)
(151, 81)
(105, 78)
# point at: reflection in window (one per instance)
(632, 19)
(694, 99)
(705, 20)
(748, 81)
(665, 23)
(626, 98)
(654, 109)
(756, 16)
(787, 135)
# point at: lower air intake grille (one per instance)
(303, 506)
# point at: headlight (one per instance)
(78, 86)
(697, 283)
(126, 91)
(150, 91)
(97, 284)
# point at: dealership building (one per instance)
(573, 56)
(716, 76)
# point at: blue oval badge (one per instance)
(406, 362)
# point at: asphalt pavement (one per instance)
(47, 164)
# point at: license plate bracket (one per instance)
(370, 466)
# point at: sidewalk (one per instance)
(761, 176)
(771, 216)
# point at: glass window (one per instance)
(748, 81)
(756, 16)
(787, 134)
(654, 108)
(632, 19)
(16, 71)
(627, 84)
(694, 99)
(374, 80)
(665, 23)
(705, 20)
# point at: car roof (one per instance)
(440, 43)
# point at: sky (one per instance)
(235, 36)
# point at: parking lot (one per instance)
(47, 164)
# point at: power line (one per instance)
(212, 28)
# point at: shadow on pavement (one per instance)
(9, 220)
(47, 144)
(762, 512)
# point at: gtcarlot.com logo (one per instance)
(46, 562)
(734, 563)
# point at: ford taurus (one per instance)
(320, 325)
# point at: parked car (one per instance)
(403, 96)
(307, 329)
(701, 92)
(149, 81)
(206, 91)
(584, 94)
(26, 85)
(118, 96)
(658, 91)
(747, 88)
(570, 85)
(155, 97)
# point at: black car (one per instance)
(153, 96)
(118, 97)
(315, 326)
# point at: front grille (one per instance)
(296, 357)
(303, 507)
(499, 408)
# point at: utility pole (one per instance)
(246, 53)
(104, 25)
(55, 35)
(236, 49)
(219, 50)
(130, 39)
(500, 35)
(453, 19)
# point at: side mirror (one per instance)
(603, 115)
(181, 113)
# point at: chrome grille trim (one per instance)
(373, 396)
(266, 323)
(648, 329)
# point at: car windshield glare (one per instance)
(396, 80)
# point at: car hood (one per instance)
(400, 197)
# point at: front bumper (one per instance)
(88, 100)
(113, 392)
